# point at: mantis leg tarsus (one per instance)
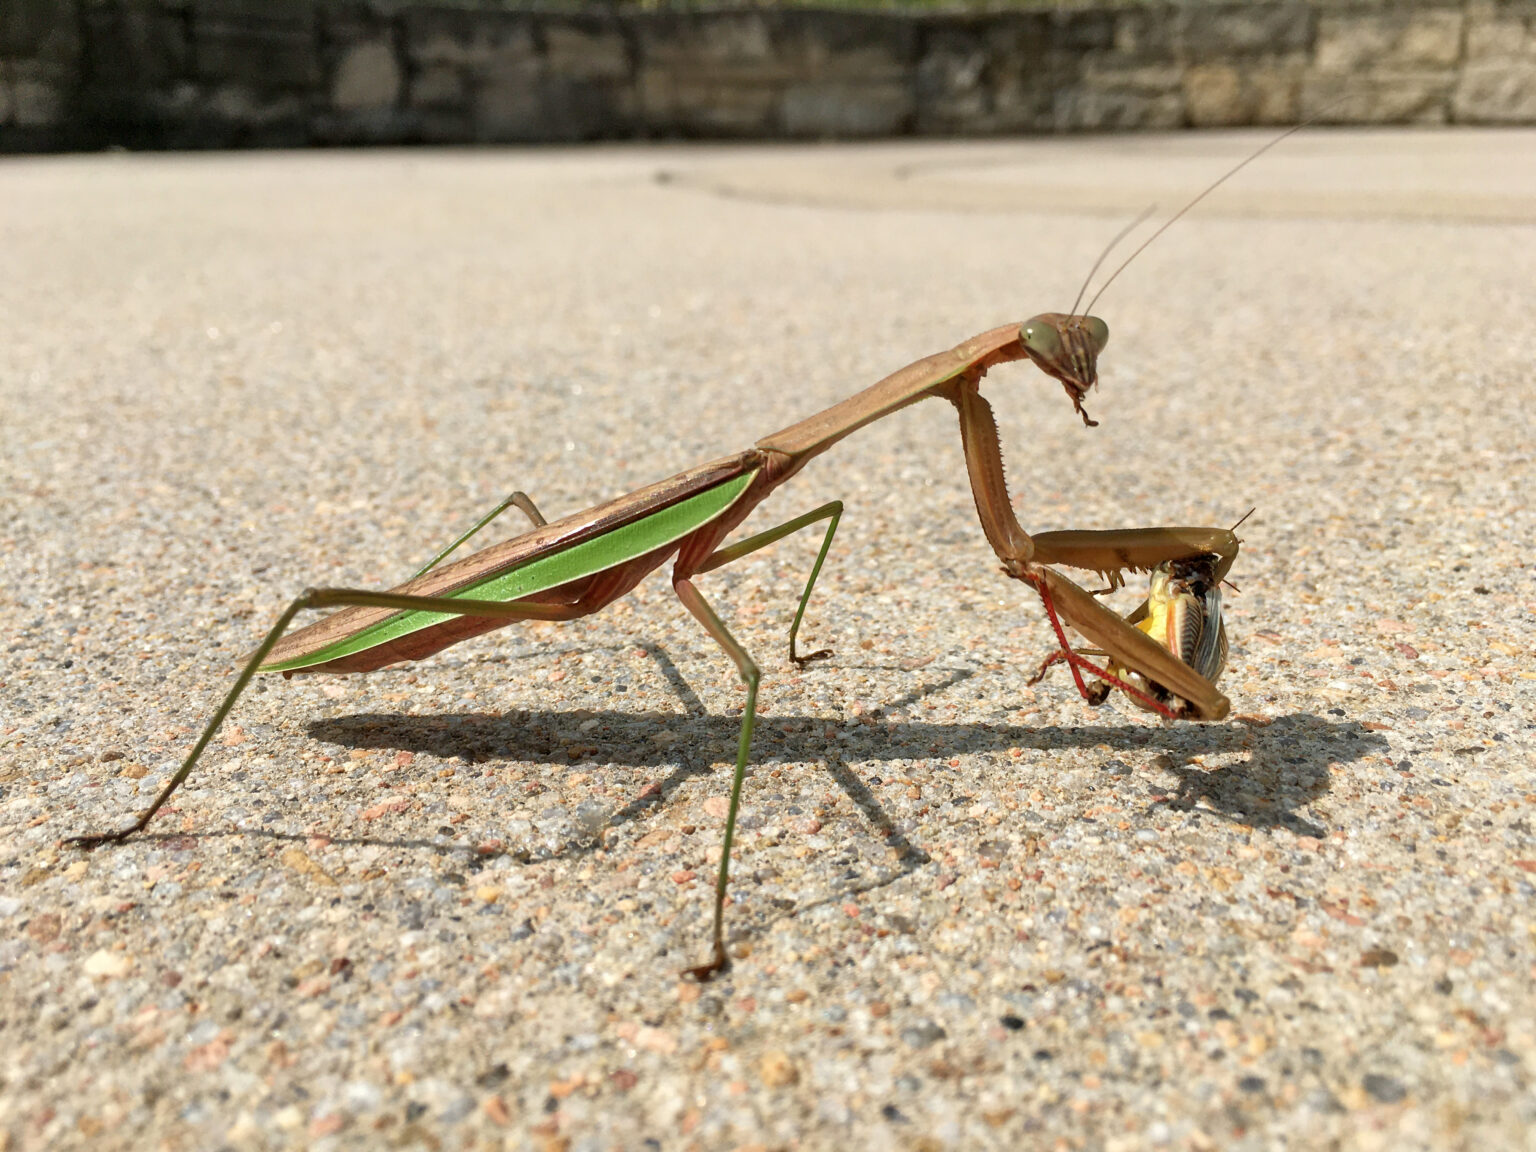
(695, 603)
(519, 500)
(96, 839)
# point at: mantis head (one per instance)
(1067, 348)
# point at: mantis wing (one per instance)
(554, 563)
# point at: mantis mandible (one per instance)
(577, 565)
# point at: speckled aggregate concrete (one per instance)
(445, 906)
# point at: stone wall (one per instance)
(236, 73)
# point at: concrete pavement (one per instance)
(446, 905)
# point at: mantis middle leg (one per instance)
(832, 512)
(693, 600)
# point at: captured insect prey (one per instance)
(1182, 612)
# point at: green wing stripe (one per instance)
(541, 573)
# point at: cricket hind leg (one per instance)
(310, 599)
(1095, 692)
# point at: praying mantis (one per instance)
(1165, 655)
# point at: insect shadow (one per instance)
(1281, 767)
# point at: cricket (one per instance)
(1165, 655)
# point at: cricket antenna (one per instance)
(1108, 248)
(1220, 180)
(1235, 527)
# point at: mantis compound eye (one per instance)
(1098, 332)
(1042, 339)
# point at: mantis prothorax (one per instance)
(579, 564)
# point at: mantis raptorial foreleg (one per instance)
(1110, 553)
(1181, 618)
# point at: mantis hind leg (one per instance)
(1097, 691)
(831, 512)
(696, 604)
(519, 500)
(315, 598)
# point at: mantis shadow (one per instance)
(1272, 771)
(1268, 772)
(1279, 769)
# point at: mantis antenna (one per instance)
(1217, 183)
(1108, 248)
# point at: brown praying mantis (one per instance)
(1165, 655)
